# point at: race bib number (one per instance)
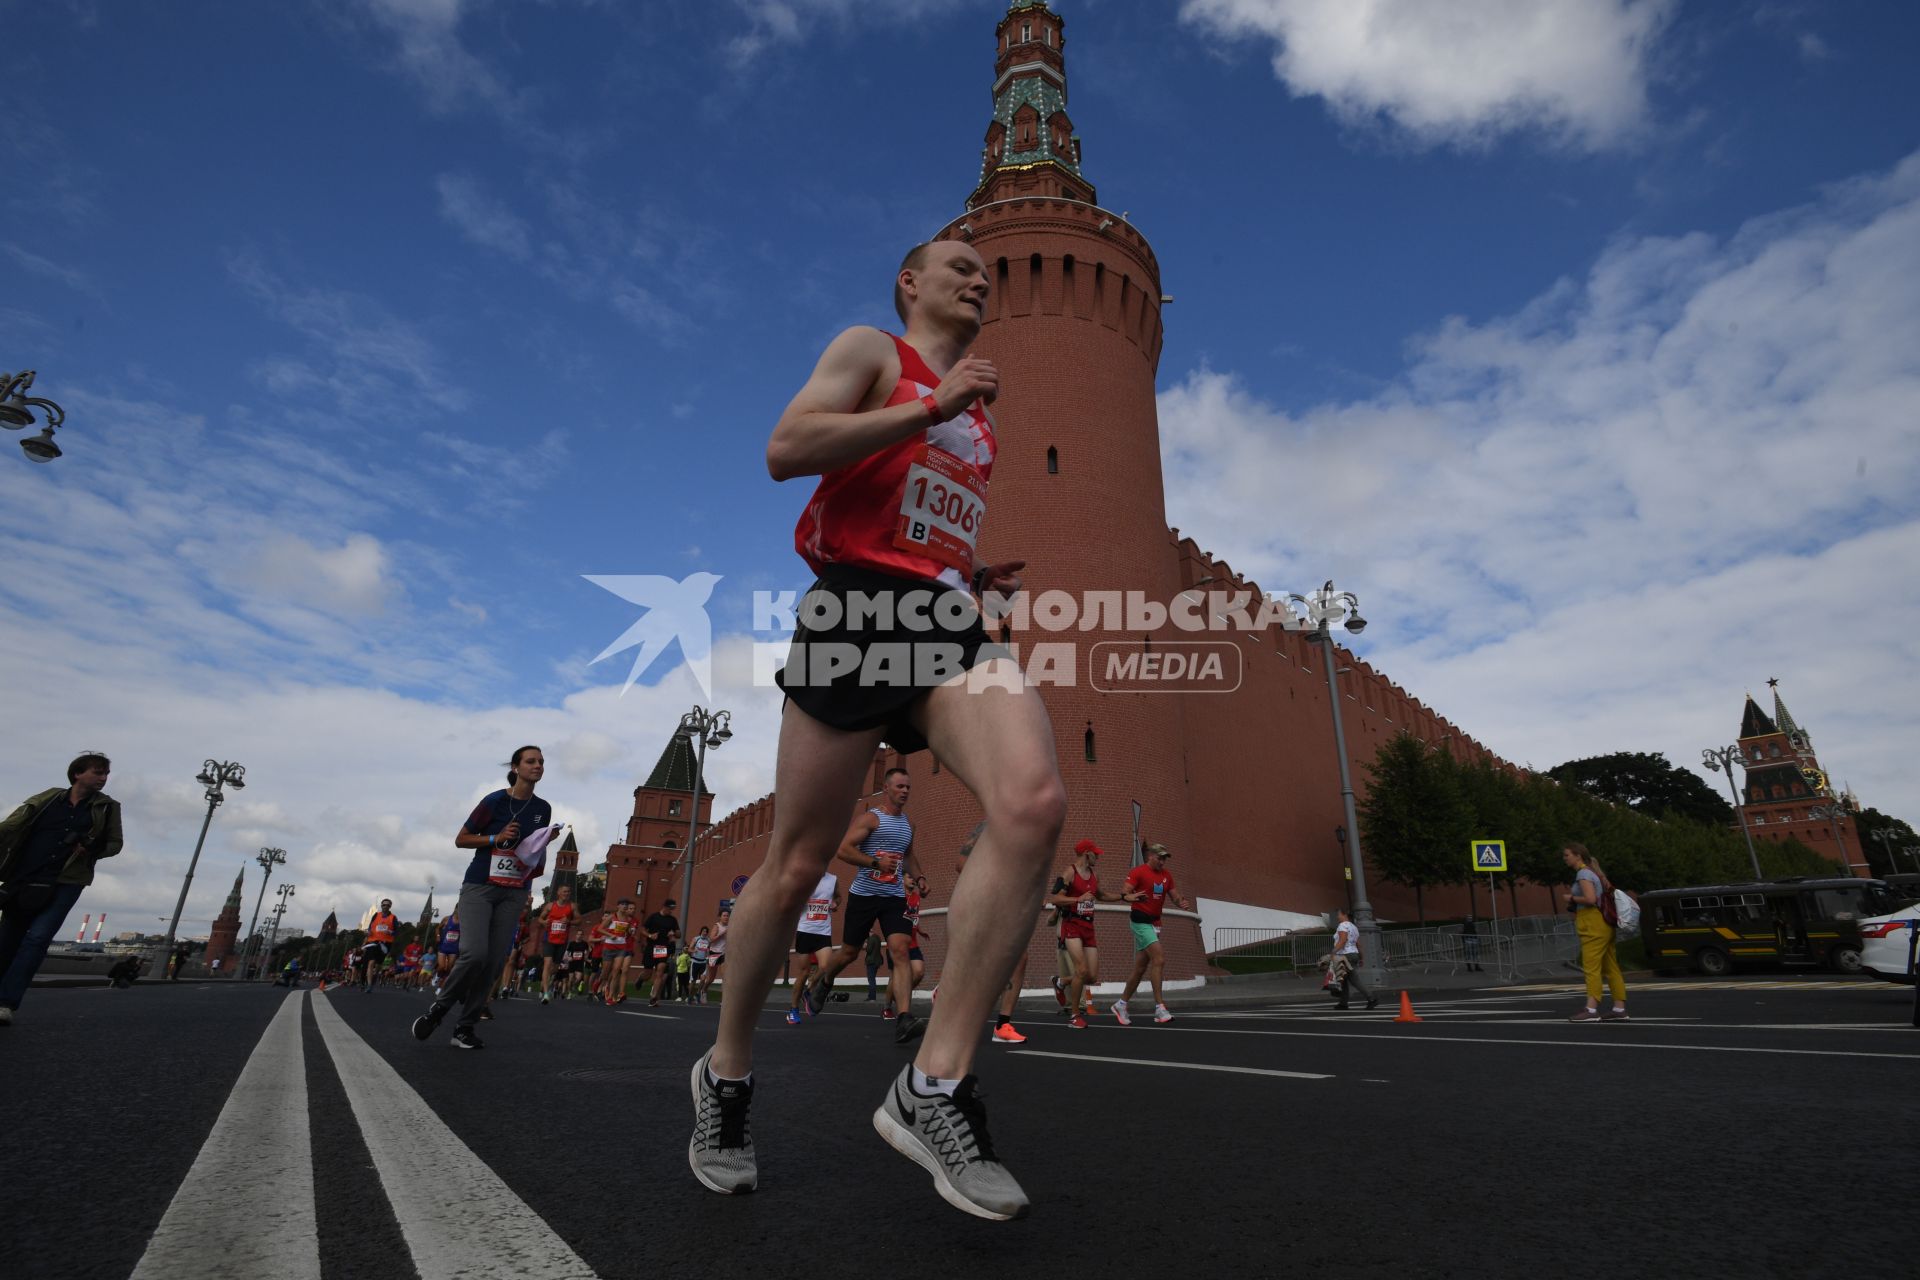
(817, 909)
(941, 509)
(1086, 908)
(889, 869)
(506, 869)
(660, 952)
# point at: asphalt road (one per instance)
(1756, 1127)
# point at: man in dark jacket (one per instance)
(48, 848)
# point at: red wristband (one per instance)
(933, 409)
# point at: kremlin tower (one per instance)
(1787, 794)
(226, 928)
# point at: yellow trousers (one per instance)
(1597, 957)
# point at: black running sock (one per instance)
(1001, 1020)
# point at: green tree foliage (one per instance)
(1881, 860)
(1422, 808)
(1645, 783)
(1413, 814)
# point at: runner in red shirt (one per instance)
(1076, 902)
(1149, 889)
(897, 429)
(616, 941)
(556, 918)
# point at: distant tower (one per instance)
(330, 928)
(566, 864)
(1785, 781)
(641, 867)
(1073, 324)
(425, 927)
(226, 926)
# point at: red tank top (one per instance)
(557, 918)
(914, 509)
(1080, 887)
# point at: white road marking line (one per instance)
(635, 1013)
(245, 1208)
(1188, 1066)
(458, 1217)
(1418, 1038)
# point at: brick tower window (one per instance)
(673, 808)
(1053, 461)
(1090, 755)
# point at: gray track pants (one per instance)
(488, 913)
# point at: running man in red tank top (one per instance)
(1076, 901)
(891, 648)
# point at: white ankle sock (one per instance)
(717, 1081)
(927, 1085)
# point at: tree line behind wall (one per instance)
(1423, 808)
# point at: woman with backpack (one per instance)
(1589, 900)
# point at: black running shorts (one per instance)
(865, 908)
(806, 944)
(868, 646)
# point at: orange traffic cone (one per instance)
(323, 984)
(1406, 1013)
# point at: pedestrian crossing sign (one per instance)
(1489, 855)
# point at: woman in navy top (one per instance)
(493, 895)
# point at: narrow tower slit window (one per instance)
(1090, 755)
(1053, 461)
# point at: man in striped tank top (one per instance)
(880, 843)
(891, 648)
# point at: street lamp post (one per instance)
(1887, 837)
(285, 891)
(269, 859)
(1319, 612)
(16, 411)
(214, 775)
(710, 729)
(1723, 758)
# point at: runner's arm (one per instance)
(822, 428)
(863, 826)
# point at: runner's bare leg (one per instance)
(999, 742)
(817, 777)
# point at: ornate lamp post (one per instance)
(1835, 811)
(269, 859)
(1723, 758)
(16, 411)
(1319, 612)
(214, 775)
(1887, 837)
(285, 891)
(710, 729)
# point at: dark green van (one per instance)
(1798, 920)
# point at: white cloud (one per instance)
(362, 359)
(1464, 71)
(772, 24)
(588, 259)
(1595, 524)
(48, 269)
(481, 218)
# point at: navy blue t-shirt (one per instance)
(491, 816)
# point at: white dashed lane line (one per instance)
(1184, 1066)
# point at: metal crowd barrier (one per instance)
(1530, 942)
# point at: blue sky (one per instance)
(1579, 339)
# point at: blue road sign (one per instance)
(1489, 855)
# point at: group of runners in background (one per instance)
(555, 955)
